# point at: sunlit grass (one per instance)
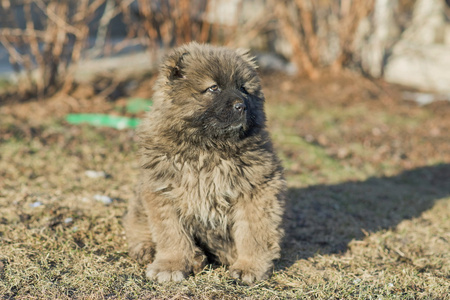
(368, 209)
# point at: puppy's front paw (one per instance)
(248, 272)
(163, 271)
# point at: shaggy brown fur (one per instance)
(211, 185)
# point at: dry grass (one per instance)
(368, 204)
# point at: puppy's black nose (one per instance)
(240, 107)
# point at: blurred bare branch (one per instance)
(48, 56)
(111, 11)
(301, 56)
(16, 33)
(311, 26)
(318, 34)
(53, 16)
(352, 12)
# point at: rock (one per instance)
(104, 199)
(35, 204)
(421, 59)
(423, 67)
(95, 174)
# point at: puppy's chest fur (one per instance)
(205, 190)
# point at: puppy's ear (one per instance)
(247, 57)
(176, 66)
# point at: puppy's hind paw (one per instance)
(143, 253)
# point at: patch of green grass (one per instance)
(5, 83)
(318, 164)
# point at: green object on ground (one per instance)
(117, 122)
(135, 105)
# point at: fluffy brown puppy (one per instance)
(211, 185)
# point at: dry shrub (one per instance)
(163, 24)
(321, 33)
(46, 51)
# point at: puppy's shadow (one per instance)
(325, 218)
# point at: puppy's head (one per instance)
(214, 92)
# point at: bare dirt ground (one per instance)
(368, 212)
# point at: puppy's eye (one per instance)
(243, 89)
(213, 88)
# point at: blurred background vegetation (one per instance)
(45, 42)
